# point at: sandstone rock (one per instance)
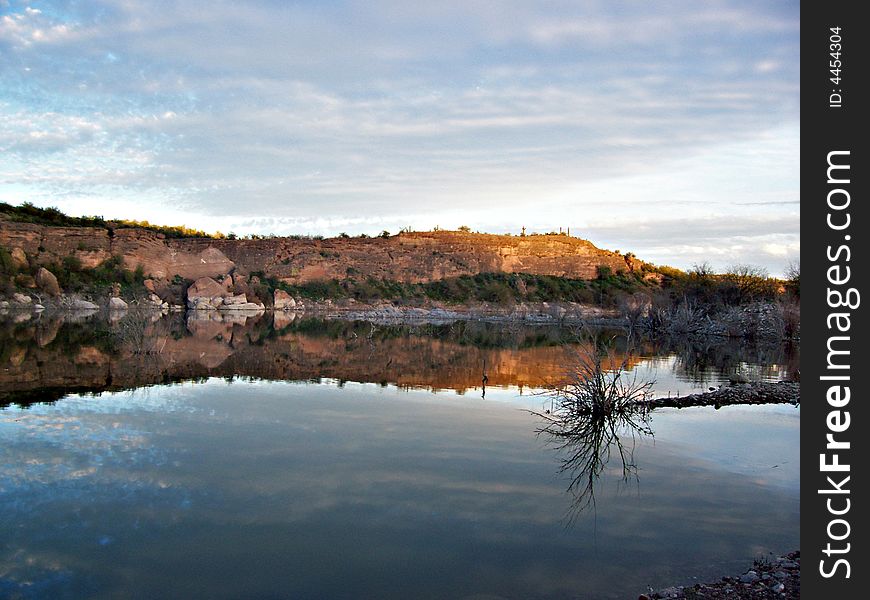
(25, 281)
(79, 304)
(202, 304)
(247, 306)
(47, 282)
(150, 285)
(4, 304)
(117, 304)
(19, 258)
(237, 299)
(205, 288)
(411, 257)
(18, 298)
(284, 301)
(226, 281)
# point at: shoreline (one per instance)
(566, 314)
(782, 392)
(778, 578)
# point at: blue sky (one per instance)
(670, 129)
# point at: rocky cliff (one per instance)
(415, 257)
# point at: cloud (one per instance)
(313, 113)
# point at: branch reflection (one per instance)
(597, 411)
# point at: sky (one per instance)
(668, 129)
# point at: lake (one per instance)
(299, 458)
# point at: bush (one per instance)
(72, 264)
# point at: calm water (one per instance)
(336, 460)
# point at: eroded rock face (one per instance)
(47, 282)
(161, 261)
(416, 257)
(410, 257)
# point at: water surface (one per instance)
(273, 473)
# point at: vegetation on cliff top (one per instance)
(28, 213)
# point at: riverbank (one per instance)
(756, 321)
(779, 579)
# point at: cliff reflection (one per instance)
(47, 357)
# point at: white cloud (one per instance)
(452, 112)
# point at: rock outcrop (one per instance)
(284, 301)
(415, 257)
(207, 294)
(47, 282)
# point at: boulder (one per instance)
(47, 282)
(19, 258)
(79, 304)
(18, 298)
(150, 285)
(205, 288)
(201, 304)
(236, 299)
(26, 281)
(247, 306)
(117, 304)
(284, 301)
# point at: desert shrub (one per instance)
(71, 263)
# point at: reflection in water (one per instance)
(240, 485)
(47, 357)
(598, 408)
(269, 489)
